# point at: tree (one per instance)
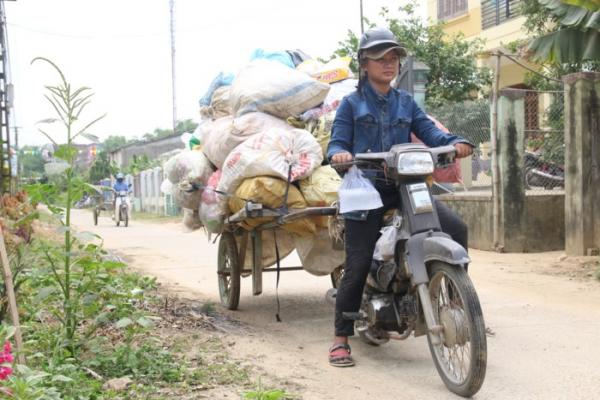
(141, 163)
(564, 39)
(101, 168)
(453, 75)
(565, 31)
(32, 162)
(113, 142)
(186, 125)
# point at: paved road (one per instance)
(547, 327)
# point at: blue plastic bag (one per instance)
(222, 79)
(280, 56)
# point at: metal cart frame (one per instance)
(231, 260)
(102, 201)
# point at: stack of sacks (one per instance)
(255, 150)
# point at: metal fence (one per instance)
(543, 167)
(544, 139)
(471, 119)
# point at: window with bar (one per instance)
(496, 12)
(448, 9)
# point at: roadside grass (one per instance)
(144, 216)
(165, 347)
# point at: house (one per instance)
(86, 154)
(123, 156)
(496, 21)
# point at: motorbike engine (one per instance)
(381, 313)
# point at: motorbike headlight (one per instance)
(415, 163)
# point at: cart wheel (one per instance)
(336, 276)
(96, 216)
(228, 272)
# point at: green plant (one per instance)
(566, 31)
(69, 103)
(29, 384)
(453, 74)
(266, 394)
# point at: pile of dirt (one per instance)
(575, 267)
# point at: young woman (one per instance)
(372, 119)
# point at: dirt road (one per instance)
(546, 323)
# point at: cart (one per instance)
(103, 200)
(231, 259)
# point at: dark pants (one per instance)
(360, 239)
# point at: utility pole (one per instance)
(17, 173)
(5, 148)
(362, 27)
(495, 154)
(172, 12)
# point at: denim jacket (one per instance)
(367, 121)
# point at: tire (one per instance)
(529, 179)
(125, 218)
(228, 271)
(95, 216)
(458, 308)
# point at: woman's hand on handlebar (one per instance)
(342, 157)
(462, 150)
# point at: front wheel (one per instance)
(125, 217)
(461, 357)
(96, 212)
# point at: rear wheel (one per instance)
(228, 271)
(461, 357)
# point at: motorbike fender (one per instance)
(423, 248)
(443, 248)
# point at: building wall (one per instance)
(544, 227)
(495, 37)
(123, 156)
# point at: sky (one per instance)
(122, 50)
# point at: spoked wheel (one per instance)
(125, 218)
(96, 212)
(461, 358)
(228, 271)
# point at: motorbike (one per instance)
(540, 173)
(122, 207)
(423, 286)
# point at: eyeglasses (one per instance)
(387, 61)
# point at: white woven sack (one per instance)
(225, 134)
(273, 88)
(317, 254)
(188, 165)
(271, 153)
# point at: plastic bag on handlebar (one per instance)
(358, 193)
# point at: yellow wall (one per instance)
(470, 25)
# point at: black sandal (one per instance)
(341, 360)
